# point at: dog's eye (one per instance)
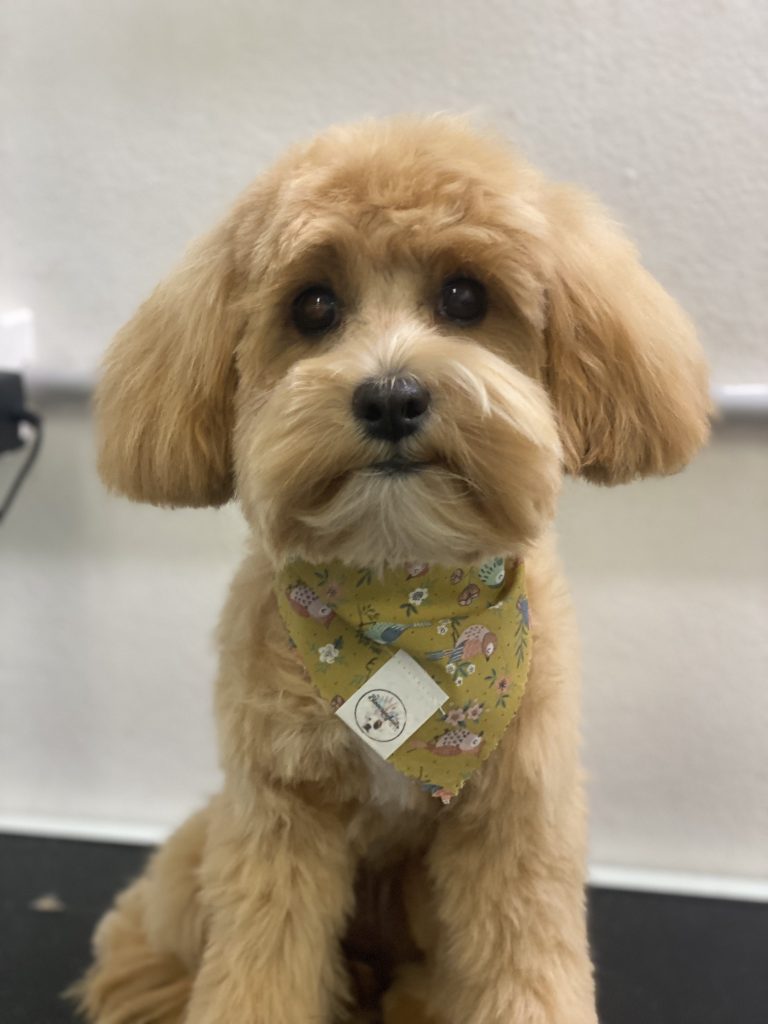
(316, 310)
(462, 299)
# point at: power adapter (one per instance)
(15, 425)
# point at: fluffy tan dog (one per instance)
(524, 340)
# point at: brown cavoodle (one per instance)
(389, 351)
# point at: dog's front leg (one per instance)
(277, 888)
(506, 866)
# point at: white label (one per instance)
(391, 705)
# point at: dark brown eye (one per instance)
(316, 310)
(462, 299)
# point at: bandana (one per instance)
(427, 663)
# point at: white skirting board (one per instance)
(678, 883)
(601, 876)
(89, 830)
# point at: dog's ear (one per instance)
(164, 404)
(626, 374)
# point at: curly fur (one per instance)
(319, 886)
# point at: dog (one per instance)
(390, 352)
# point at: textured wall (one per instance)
(129, 126)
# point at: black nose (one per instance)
(391, 409)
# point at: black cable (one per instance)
(34, 421)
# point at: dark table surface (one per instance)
(659, 959)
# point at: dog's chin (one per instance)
(395, 511)
(398, 466)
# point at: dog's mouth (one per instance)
(398, 466)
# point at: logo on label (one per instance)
(392, 704)
(381, 715)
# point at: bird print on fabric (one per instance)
(309, 605)
(416, 569)
(451, 743)
(475, 640)
(390, 632)
(469, 594)
(492, 572)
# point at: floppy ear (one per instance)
(164, 404)
(626, 373)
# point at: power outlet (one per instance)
(19, 428)
(11, 411)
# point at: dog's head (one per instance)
(392, 347)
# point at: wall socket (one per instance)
(11, 411)
(19, 427)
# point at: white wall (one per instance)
(109, 610)
(107, 661)
(129, 125)
(670, 581)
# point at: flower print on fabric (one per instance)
(443, 795)
(474, 711)
(328, 653)
(325, 586)
(416, 599)
(502, 685)
(522, 630)
(471, 712)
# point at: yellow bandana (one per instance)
(467, 627)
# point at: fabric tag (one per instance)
(391, 705)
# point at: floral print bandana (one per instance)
(466, 626)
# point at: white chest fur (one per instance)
(392, 792)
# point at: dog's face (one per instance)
(392, 347)
(390, 402)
